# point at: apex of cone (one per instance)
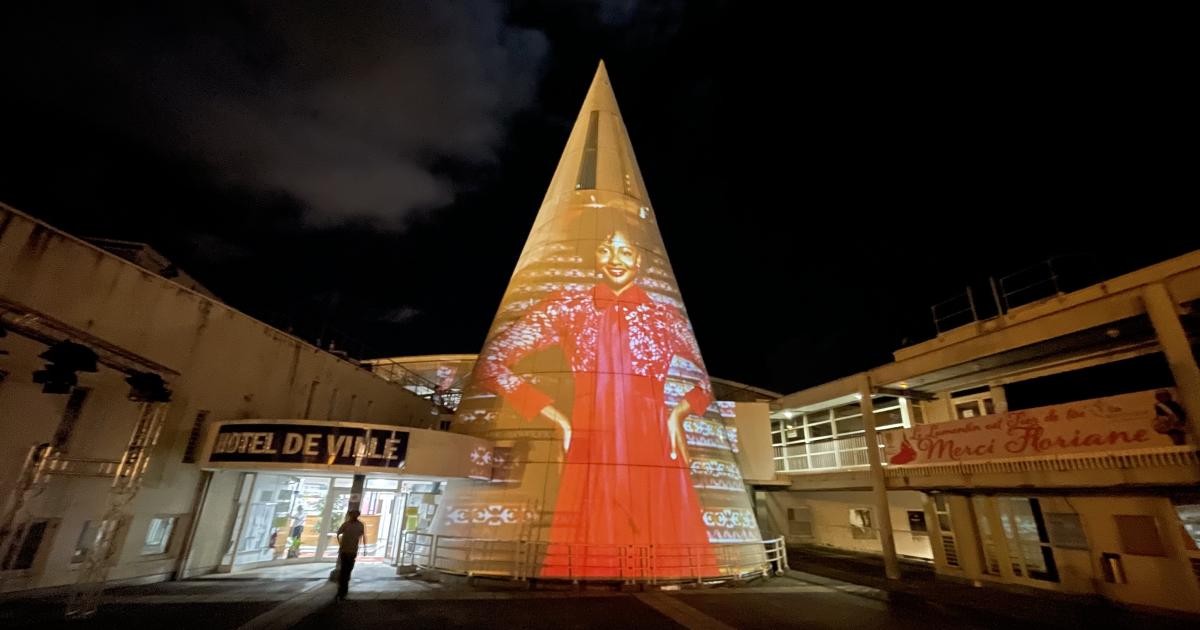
(598, 154)
(600, 95)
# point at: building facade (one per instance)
(1053, 446)
(77, 322)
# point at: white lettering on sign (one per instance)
(251, 442)
(293, 443)
(389, 448)
(312, 442)
(331, 446)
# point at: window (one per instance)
(823, 430)
(862, 523)
(941, 510)
(916, 522)
(158, 535)
(86, 542)
(887, 418)
(829, 438)
(1028, 537)
(89, 535)
(1189, 518)
(586, 180)
(973, 404)
(967, 410)
(987, 538)
(846, 411)
(1017, 525)
(28, 539)
(1110, 564)
(885, 402)
(849, 425)
(382, 484)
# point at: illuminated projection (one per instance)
(612, 459)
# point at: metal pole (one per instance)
(996, 295)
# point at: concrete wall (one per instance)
(1165, 582)
(830, 512)
(1162, 581)
(227, 364)
(753, 422)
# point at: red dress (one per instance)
(619, 485)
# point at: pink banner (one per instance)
(1130, 421)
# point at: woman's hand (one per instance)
(557, 417)
(675, 429)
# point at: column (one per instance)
(891, 565)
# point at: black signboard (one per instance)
(310, 444)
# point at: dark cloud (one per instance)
(399, 315)
(834, 175)
(347, 108)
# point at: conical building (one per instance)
(612, 459)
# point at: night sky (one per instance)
(368, 171)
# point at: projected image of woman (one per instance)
(625, 478)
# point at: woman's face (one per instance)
(617, 260)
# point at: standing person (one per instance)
(350, 536)
(293, 543)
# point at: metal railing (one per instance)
(1048, 278)
(954, 312)
(523, 560)
(825, 455)
(446, 399)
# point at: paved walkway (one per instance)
(1026, 605)
(301, 596)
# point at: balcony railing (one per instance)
(447, 400)
(825, 455)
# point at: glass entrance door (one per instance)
(380, 496)
(335, 515)
(304, 519)
(396, 527)
(285, 518)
